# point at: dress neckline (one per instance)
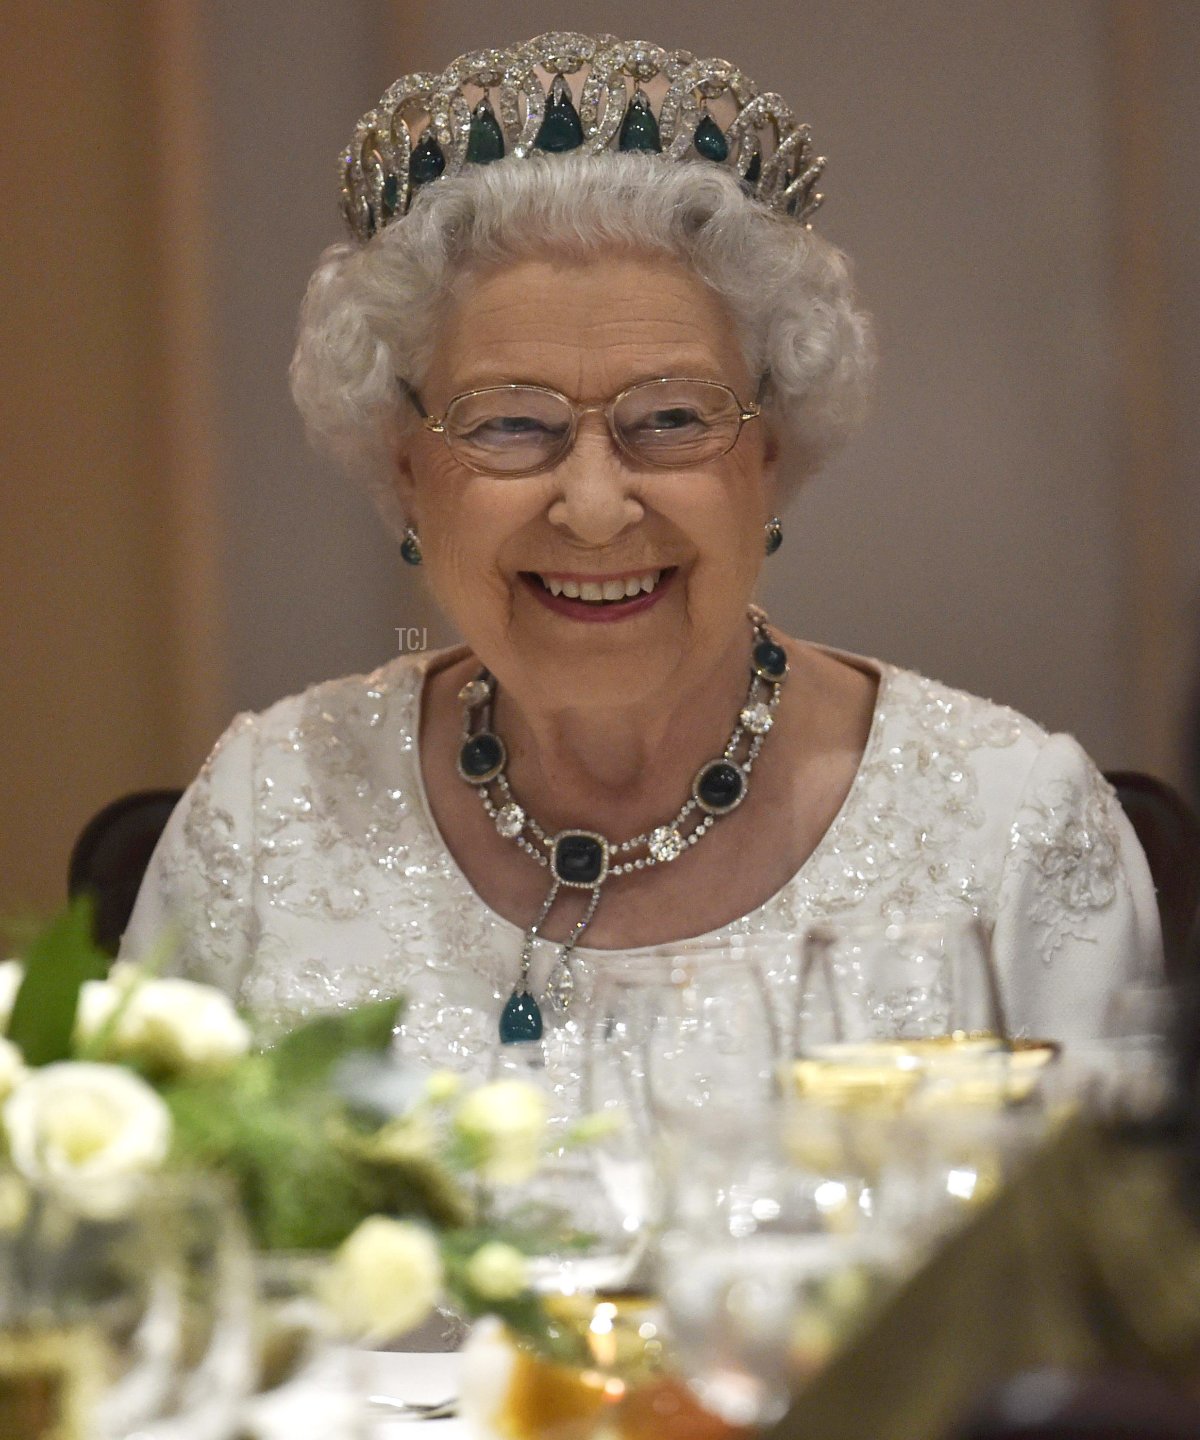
(884, 674)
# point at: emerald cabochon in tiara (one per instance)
(425, 126)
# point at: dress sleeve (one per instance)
(1077, 917)
(200, 878)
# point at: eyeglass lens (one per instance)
(517, 429)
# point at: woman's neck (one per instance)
(619, 768)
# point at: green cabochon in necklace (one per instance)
(580, 857)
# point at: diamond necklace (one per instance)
(586, 860)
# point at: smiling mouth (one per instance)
(601, 593)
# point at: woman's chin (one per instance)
(578, 663)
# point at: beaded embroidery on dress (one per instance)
(307, 872)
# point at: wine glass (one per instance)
(766, 1266)
(884, 1010)
(588, 1225)
(691, 1039)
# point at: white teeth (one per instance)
(596, 591)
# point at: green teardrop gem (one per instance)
(639, 128)
(485, 142)
(428, 162)
(521, 1020)
(391, 196)
(710, 141)
(560, 128)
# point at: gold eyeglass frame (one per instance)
(436, 424)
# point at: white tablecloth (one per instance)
(329, 1404)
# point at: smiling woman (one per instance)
(579, 347)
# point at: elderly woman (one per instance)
(583, 343)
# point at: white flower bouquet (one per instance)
(107, 1078)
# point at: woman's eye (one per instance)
(512, 427)
(678, 417)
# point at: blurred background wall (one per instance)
(1014, 179)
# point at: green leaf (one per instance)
(308, 1054)
(57, 963)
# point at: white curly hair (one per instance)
(371, 312)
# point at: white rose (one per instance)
(174, 1025)
(12, 972)
(497, 1271)
(384, 1279)
(503, 1126)
(12, 1068)
(90, 1132)
(97, 1001)
(442, 1085)
(488, 1362)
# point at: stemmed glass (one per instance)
(692, 1040)
(900, 1030)
(766, 1267)
(884, 1009)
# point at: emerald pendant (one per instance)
(521, 1020)
(580, 858)
(428, 162)
(560, 129)
(481, 758)
(390, 197)
(639, 128)
(768, 659)
(485, 142)
(719, 787)
(710, 141)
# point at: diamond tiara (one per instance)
(426, 125)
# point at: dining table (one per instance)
(333, 1402)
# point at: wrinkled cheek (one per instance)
(477, 597)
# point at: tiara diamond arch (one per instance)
(564, 91)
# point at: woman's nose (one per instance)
(596, 498)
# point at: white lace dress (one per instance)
(306, 871)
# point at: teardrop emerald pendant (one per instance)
(428, 161)
(639, 128)
(710, 141)
(521, 1020)
(560, 129)
(485, 142)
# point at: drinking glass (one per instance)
(692, 1040)
(886, 1010)
(584, 1202)
(134, 1321)
(766, 1266)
